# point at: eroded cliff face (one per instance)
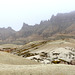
(61, 24)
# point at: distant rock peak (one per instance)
(25, 25)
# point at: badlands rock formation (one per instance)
(49, 52)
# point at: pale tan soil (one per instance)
(37, 70)
(9, 46)
(54, 45)
(7, 58)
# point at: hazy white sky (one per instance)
(14, 12)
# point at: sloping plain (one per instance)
(37, 69)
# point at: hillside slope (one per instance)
(59, 51)
(6, 58)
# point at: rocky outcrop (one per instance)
(48, 52)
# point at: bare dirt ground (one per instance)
(7, 58)
(37, 69)
(9, 46)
